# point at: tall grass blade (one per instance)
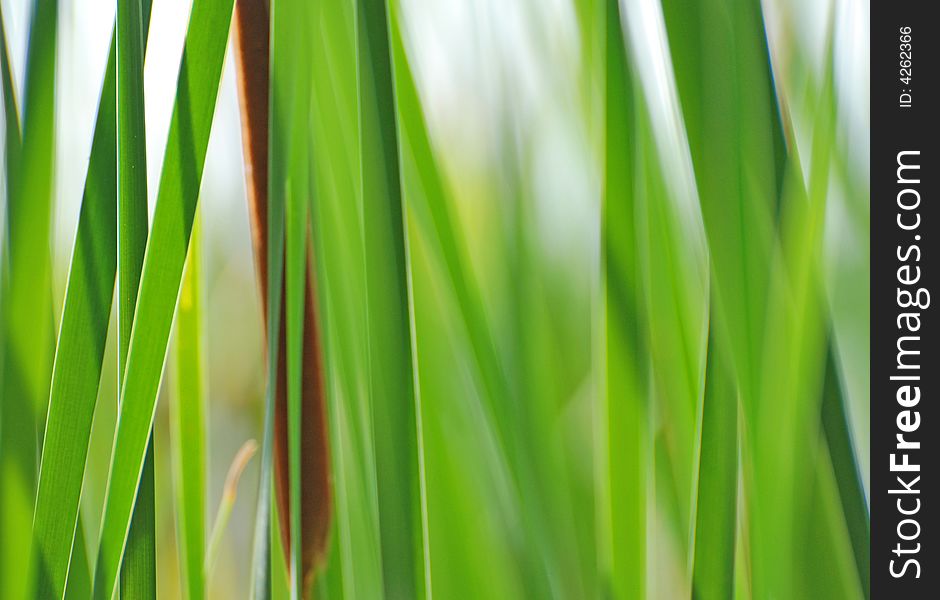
(81, 343)
(430, 206)
(725, 89)
(336, 213)
(768, 298)
(78, 584)
(14, 480)
(722, 69)
(715, 518)
(79, 351)
(177, 198)
(625, 446)
(28, 301)
(188, 423)
(138, 577)
(392, 382)
(132, 169)
(676, 281)
(138, 571)
(451, 246)
(26, 324)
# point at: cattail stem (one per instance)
(252, 51)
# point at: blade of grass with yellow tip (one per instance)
(188, 424)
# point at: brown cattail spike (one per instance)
(252, 34)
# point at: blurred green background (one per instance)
(511, 313)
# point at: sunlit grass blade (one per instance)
(28, 301)
(79, 351)
(623, 416)
(131, 169)
(725, 89)
(26, 323)
(81, 343)
(138, 570)
(392, 382)
(197, 89)
(675, 287)
(720, 59)
(716, 507)
(188, 423)
(14, 482)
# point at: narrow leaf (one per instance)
(81, 343)
(848, 476)
(188, 424)
(715, 519)
(624, 452)
(138, 571)
(392, 382)
(78, 585)
(197, 89)
(26, 321)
